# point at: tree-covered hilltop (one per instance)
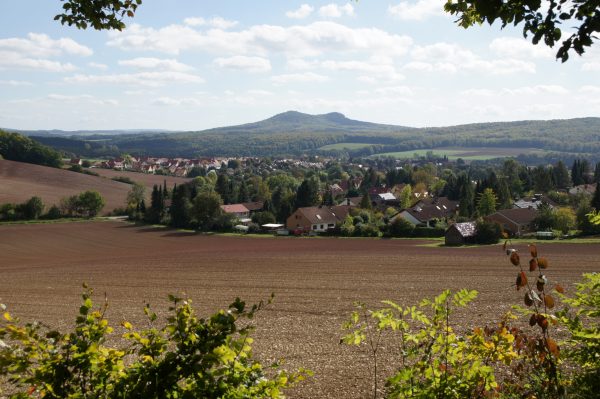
(16, 147)
(293, 134)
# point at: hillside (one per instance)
(21, 181)
(293, 133)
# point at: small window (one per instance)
(321, 227)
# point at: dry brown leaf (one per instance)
(549, 301)
(514, 258)
(533, 264)
(552, 346)
(521, 280)
(533, 250)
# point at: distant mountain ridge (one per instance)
(294, 121)
(293, 133)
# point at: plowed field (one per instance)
(20, 181)
(315, 281)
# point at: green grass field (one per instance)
(470, 154)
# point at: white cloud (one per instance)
(148, 79)
(395, 91)
(221, 23)
(41, 45)
(592, 66)
(249, 64)
(299, 77)
(377, 67)
(217, 22)
(98, 65)
(304, 11)
(513, 47)
(194, 21)
(13, 60)
(590, 89)
(170, 101)
(336, 11)
(478, 92)
(156, 63)
(15, 83)
(536, 90)
(417, 10)
(452, 58)
(296, 41)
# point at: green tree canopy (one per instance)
(98, 14)
(543, 20)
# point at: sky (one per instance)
(193, 65)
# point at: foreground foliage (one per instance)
(504, 360)
(188, 357)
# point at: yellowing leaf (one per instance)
(552, 346)
(543, 263)
(549, 301)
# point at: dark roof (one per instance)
(466, 229)
(253, 206)
(517, 215)
(324, 215)
(435, 210)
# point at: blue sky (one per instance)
(191, 65)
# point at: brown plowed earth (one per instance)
(146, 179)
(20, 181)
(315, 281)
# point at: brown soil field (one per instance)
(315, 281)
(143, 178)
(20, 181)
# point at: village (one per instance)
(465, 204)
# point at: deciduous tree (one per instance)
(542, 20)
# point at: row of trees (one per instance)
(16, 147)
(85, 204)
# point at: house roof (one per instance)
(324, 215)
(439, 209)
(466, 229)
(387, 196)
(254, 206)
(517, 215)
(234, 208)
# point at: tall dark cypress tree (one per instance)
(597, 173)
(467, 196)
(180, 206)
(596, 198)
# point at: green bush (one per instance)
(188, 357)
(582, 319)
(401, 227)
(487, 232)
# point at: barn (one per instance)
(460, 233)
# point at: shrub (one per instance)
(188, 357)
(487, 232)
(401, 228)
(53, 213)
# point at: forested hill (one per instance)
(293, 121)
(294, 133)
